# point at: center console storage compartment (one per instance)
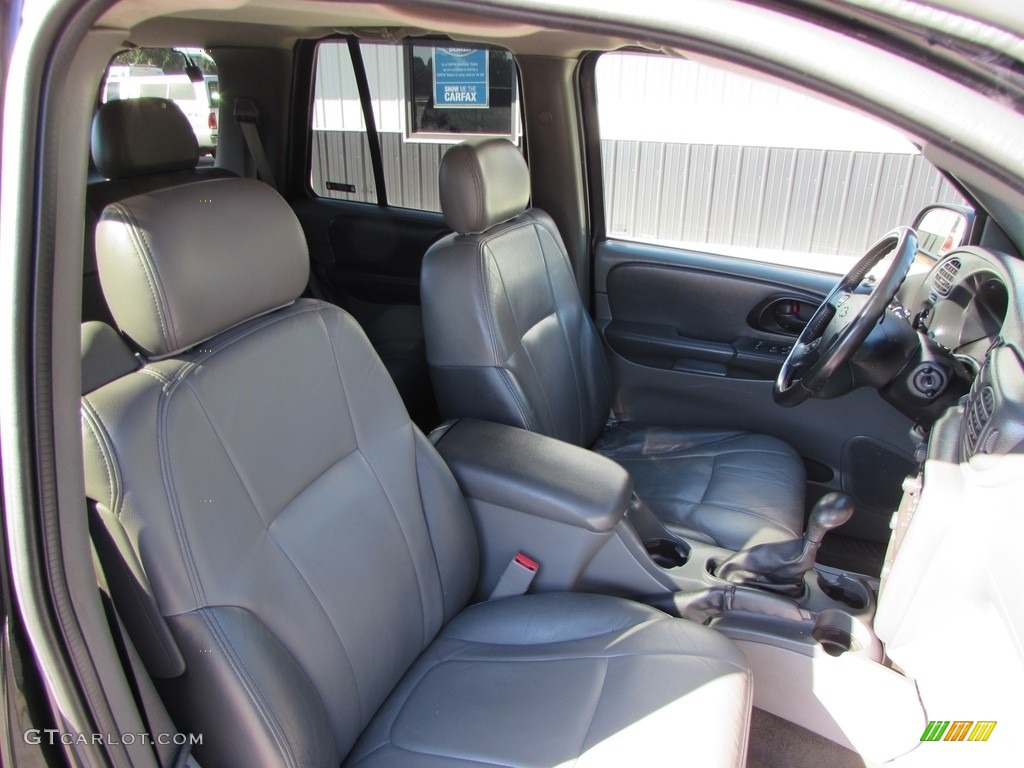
(550, 500)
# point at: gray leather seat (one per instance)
(295, 559)
(509, 340)
(137, 145)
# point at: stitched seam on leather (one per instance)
(228, 338)
(227, 453)
(263, 707)
(141, 247)
(604, 633)
(483, 253)
(475, 176)
(490, 310)
(597, 704)
(463, 156)
(507, 374)
(337, 634)
(156, 375)
(270, 536)
(696, 454)
(430, 534)
(714, 463)
(716, 505)
(468, 760)
(565, 332)
(167, 476)
(401, 527)
(165, 469)
(753, 514)
(509, 381)
(675, 653)
(91, 419)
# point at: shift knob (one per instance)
(831, 511)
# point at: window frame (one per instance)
(596, 194)
(306, 62)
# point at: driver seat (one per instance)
(509, 340)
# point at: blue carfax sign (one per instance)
(460, 78)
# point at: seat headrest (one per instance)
(132, 137)
(180, 265)
(483, 182)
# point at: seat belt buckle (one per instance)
(517, 578)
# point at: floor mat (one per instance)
(778, 743)
(849, 554)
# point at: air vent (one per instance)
(979, 411)
(943, 280)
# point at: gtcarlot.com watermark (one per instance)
(52, 736)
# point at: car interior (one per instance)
(394, 438)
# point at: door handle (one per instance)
(785, 315)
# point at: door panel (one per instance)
(688, 344)
(367, 251)
(718, 324)
(367, 260)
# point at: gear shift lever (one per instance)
(780, 566)
(831, 511)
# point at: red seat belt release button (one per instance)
(517, 577)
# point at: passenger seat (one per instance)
(138, 145)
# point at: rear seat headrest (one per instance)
(132, 137)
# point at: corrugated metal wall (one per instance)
(806, 200)
(410, 168)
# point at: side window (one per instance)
(149, 90)
(424, 99)
(340, 165)
(709, 160)
(177, 74)
(185, 91)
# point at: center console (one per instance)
(811, 644)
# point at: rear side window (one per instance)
(711, 160)
(181, 92)
(213, 91)
(149, 90)
(186, 76)
(423, 99)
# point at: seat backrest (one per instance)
(302, 539)
(508, 338)
(138, 145)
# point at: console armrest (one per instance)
(538, 475)
(553, 501)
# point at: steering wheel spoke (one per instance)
(843, 321)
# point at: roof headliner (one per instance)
(279, 23)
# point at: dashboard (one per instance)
(970, 304)
(965, 306)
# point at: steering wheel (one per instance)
(843, 321)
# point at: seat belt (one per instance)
(247, 115)
(133, 671)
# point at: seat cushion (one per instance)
(565, 679)
(733, 489)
